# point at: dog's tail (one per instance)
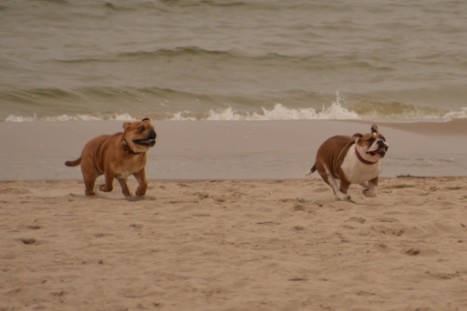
(74, 162)
(312, 170)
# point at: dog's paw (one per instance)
(342, 196)
(369, 193)
(134, 198)
(140, 193)
(103, 188)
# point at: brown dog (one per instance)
(353, 160)
(117, 156)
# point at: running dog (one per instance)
(117, 156)
(353, 160)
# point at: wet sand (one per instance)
(233, 149)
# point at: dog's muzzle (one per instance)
(149, 141)
(382, 149)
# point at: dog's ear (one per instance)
(374, 129)
(357, 136)
(126, 125)
(146, 120)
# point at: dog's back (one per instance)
(92, 149)
(335, 146)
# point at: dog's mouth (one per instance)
(381, 151)
(148, 141)
(145, 142)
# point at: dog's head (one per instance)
(140, 135)
(371, 146)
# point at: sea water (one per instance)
(64, 60)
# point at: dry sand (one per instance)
(234, 245)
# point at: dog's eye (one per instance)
(141, 128)
(371, 140)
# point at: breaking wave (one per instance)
(278, 112)
(335, 111)
(66, 117)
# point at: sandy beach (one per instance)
(230, 223)
(241, 95)
(234, 245)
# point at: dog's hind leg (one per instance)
(323, 170)
(344, 186)
(341, 192)
(89, 183)
(89, 176)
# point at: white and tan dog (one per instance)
(353, 160)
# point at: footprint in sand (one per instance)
(28, 241)
(413, 252)
(360, 220)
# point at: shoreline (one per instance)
(233, 149)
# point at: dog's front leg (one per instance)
(143, 185)
(108, 186)
(124, 186)
(372, 186)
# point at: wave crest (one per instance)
(66, 117)
(280, 112)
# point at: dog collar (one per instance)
(127, 148)
(366, 162)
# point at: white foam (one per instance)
(280, 112)
(123, 117)
(459, 114)
(179, 116)
(14, 118)
(66, 117)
